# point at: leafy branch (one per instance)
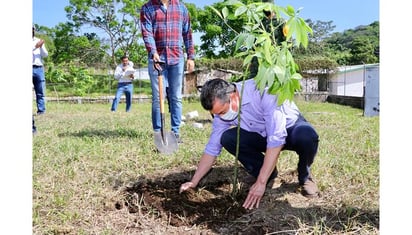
(277, 70)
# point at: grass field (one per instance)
(85, 157)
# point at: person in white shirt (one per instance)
(124, 73)
(39, 80)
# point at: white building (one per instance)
(351, 80)
(357, 81)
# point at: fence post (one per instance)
(57, 94)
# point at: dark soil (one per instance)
(214, 207)
(211, 203)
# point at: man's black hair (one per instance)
(215, 89)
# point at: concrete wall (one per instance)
(199, 77)
(353, 101)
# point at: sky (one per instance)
(345, 14)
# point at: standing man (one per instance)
(266, 129)
(39, 81)
(165, 28)
(124, 73)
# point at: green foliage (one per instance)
(316, 44)
(217, 37)
(276, 67)
(231, 63)
(85, 49)
(316, 63)
(59, 83)
(82, 79)
(321, 30)
(363, 51)
(77, 77)
(137, 54)
(356, 46)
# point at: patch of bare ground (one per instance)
(211, 208)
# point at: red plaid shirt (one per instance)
(163, 30)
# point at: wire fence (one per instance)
(105, 87)
(101, 89)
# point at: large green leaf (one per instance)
(240, 40)
(250, 41)
(277, 69)
(225, 12)
(217, 12)
(241, 10)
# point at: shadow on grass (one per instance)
(104, 133)
(212, 206)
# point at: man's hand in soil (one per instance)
(254, 196)
(186, 186)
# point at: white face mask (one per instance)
(230, 115)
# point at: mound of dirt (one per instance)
(212, 202)
(214, 206)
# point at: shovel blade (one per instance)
(166, 144)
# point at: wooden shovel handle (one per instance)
(162, 109)
(160, 81)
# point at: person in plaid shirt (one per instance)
(165, 28)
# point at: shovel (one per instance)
(165, 142)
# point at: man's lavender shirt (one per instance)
(260, 113)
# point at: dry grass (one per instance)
(84, 157)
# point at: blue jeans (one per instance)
(302, 138)
(173, 79)
(39, 83)
(127, 89)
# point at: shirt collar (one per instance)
(245, 99)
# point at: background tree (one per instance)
(85, 49)
(362, 39)
(118, 19)
(362, 51)
(317, 45)
(316, 56)
(70, 58)
(217, 37)
(137, 54)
